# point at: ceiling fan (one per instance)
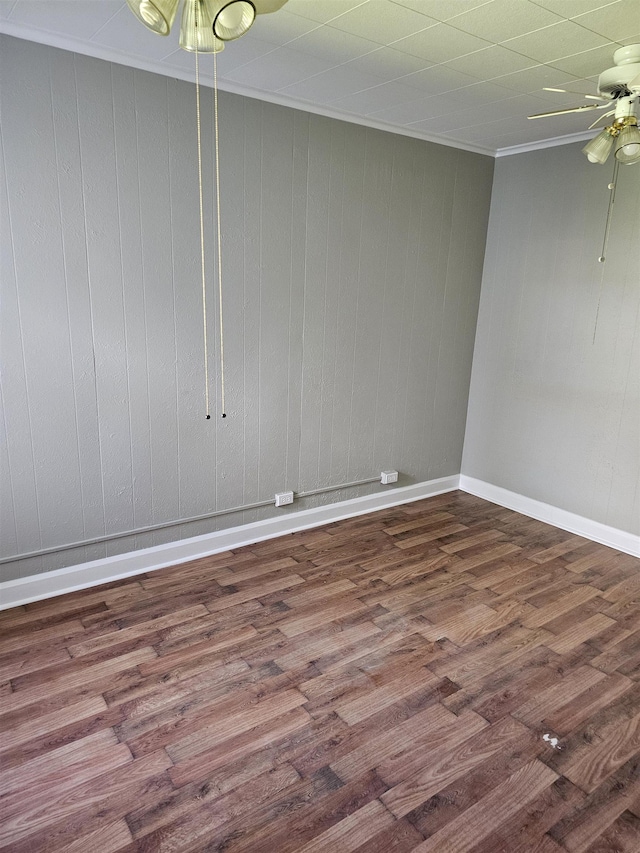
(206, 24)
(618, 86)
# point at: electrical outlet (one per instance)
(284, 498)
(387, 477)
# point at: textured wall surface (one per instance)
(352, 262)
(554, 409)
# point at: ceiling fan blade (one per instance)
(265, 7)
(634, 85)
(580, 109)
(573, 92)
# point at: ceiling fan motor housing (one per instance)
(614, 82)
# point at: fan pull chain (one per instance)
(204, 287)
(612, 198)
(605, 242)
(217, 143)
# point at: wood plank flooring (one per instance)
(444, 676)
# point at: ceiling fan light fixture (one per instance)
(232, 18)
(196, 28)
(156, 15)
(628, 145)
(597, 150)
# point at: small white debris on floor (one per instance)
(552, 741)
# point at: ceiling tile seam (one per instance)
(570, 77)
(418, 97)
(381, 125)
(378, 47)
(477, 80)
(572, 17)
(514, 97)
(318, 26)
(390, 43)
(487, 43)
(486, 124)
(411, 73)
(270, 53)
(443, 20)
(375, 44)
(282, 89)
(100, 28)
(179, 51)
(514, 93)
(445, 64)
(274, 47)
(504, 43)
(314, 29)
(549, 27)
(342, 14)
(613, 46)
(333, 68)
(462, 127)
(383, 82)
(535, 63)
(375, 48)
(595, 32)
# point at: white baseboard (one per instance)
(602, 533)
(85, 575)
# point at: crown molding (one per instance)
(364, 121)
(552, 142)
(157, 66)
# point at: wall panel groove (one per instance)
(348, 297)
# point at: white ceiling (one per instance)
(462, 72)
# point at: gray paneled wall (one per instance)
(352, 262)
(554, 408)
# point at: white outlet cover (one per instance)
(283, 498)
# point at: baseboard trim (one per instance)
(85, 575)
(594, 530)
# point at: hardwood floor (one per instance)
(443, 676)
